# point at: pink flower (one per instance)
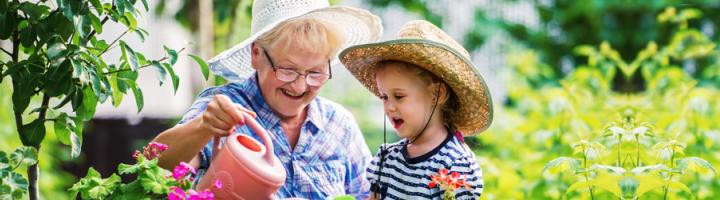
(217, 184)
(176, 193)
(204, 195)
(182, 170)
(153, 150)
(136, 154)
(159, 146)
(193, 195)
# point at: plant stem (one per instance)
(637, 140)
(592, 195)
(146, 65)
(7, 52)
(618, 147)
(672, 163)
(33, 170)
(112, 43)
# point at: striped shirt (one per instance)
(329, 158)
(408, 178)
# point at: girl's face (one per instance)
(407, 98)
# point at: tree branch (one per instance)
(93, 32)
(146, 65)
(44, 106)
(7, 52)
(112, 43)
(107, 17)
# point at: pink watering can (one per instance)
(247, 168)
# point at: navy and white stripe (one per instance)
(408, 178)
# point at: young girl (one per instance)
(433, 96)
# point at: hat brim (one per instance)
(475, 110)
(358, 26)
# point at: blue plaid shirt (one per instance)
(329, 158)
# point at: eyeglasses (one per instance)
(289, 75)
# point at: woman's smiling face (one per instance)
(288, 99)
(407, 98)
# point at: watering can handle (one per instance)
(255, 126)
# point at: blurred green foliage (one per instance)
(594, 142)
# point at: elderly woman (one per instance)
(289, 52)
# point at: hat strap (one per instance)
(437, 98)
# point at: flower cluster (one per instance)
(183, 174)
(449, 183)
(151, 151)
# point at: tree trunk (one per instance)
(33, 173)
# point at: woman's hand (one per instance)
(222, 115)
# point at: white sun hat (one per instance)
(357, 25)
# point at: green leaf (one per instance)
(62, 131)
(117, 94)
(10, 25)
(93, 186)
(97, 87)
(562, 164)
(87, 109)
(5, 190)
(695, 164)
(24, 155)
(153, 180)
(96, 23)
(128, 55)
(172, 54)
(173, 76)
(141, 33)
(680, 186)
(648, 183)
(203, 65)
(32, 134)
(138, 96)
(4, 162)
(68, 136)
(578, 185)
(59, 79)
(120, 6)
(145, 4)
(56, 51)
(82, 27)
(17, 184)
(162, 72)
(344, 197)
(79, 71)
(24, 88)
(98, 7)
(75, 143)
(33, 11)
(78, 129)
(608, 182)
(128, 169)
(130, 21)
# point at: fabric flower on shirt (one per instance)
(449, 183)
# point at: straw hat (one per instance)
(358, 26)
(425, 45)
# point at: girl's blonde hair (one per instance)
(450, 99)
(303, 34)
